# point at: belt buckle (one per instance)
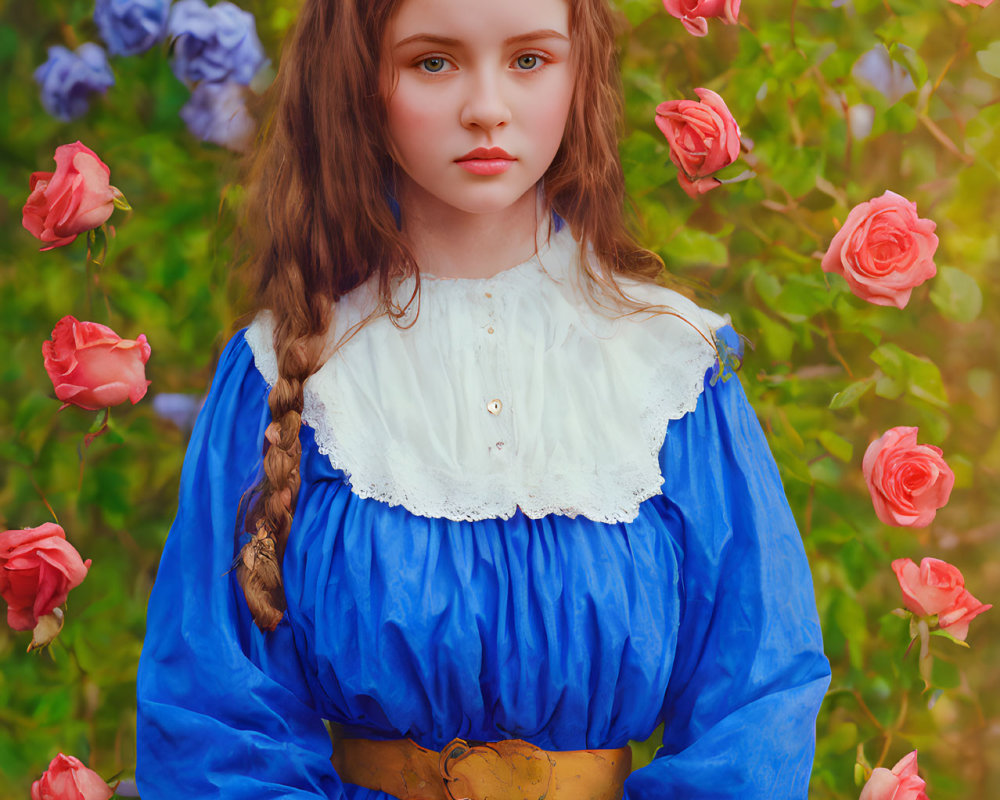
(511, 769)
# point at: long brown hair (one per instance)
(316, 221)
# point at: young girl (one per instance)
(526, 520)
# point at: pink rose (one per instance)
(696, 13)
(900, 783)
(703, 138)
(883, 250)
(68, 779)
(980, 3)
(908, 482)
(92, 367)
(75, 198)
(937, 587)
(38, 567)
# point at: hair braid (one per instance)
(269, 519)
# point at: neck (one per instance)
(451, 243)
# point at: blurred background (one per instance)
(837, 103)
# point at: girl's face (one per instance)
(476, 75)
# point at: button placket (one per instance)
(496, 402)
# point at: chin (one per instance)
(487, 200)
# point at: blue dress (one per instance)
(568, 633)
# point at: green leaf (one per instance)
(945, 675)
(945, 635)
(850, 395)
(901, 117)
(957, 295)
(907, 372)
(692, 246)
(644, 161)
(803, 297)
(638, 11)
(910, 60)
(989, 59)
(836, 445)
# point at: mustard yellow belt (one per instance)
(511, 769)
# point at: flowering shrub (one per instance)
(92, 367)
(883, 250)
(937, 589)
(908, 482)
(68, 79)
(899, 783)
(68, 779)
(129, 27)
(215, 44)
(216, 113)
(38, 568)
(695, 14)
(77, 197)
(703, 139)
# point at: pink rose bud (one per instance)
(899, 783)
(937, 587)
(694, 14)
(92, 367)
(68, 779)
(75, 198)
(38, 567)
(703, 138)
(883, 250)
(908, 482)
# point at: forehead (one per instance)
(477, 22)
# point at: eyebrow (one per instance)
(546, 33)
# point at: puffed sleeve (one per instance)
(749, 671)
(224, 711)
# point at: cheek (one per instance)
(411, 118)
(549, 118)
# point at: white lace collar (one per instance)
(512, 392)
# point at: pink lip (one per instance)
(485, 166)
(491, 153)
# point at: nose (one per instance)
(485, 106)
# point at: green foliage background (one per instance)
(826, 372)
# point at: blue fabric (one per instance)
(568, 633)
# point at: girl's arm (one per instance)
(224, 710)
(749, 673)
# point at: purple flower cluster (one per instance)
(130, 27)
(68, 79)
(217, 50)
(182, 410)
(216, 44)
(216, 113)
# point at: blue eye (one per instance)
(433, 64)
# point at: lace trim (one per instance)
(599, 461)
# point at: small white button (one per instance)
(494, 407)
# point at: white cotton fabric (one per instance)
(585, 394)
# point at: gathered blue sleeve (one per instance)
(223, 710)
(749, 672)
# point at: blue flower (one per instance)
(180, 409)
(67, 79)
(130, 27)
(216, 44)
(217, 113)
(890, 78)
